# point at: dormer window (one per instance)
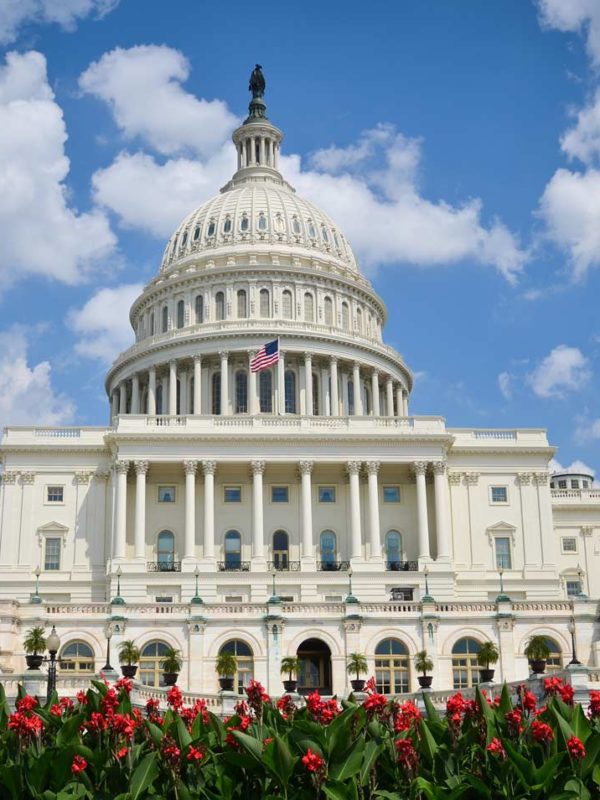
(244, 223)
(227, 225)
(262, 222)
(296, 225)
(184, 240)
(211, 228)
(197, 232)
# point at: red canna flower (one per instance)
(408, 758)
(541, 732)
(594, 709)
(122, 752)
(27, 703)
(514, 721)
(193, 754)
(78, 765)
(496, 748)
(528, 701)
(313, 762)
(175, 698)
(576, 748)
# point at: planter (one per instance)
(538, 666)
(170, 678)
(425, 681)
(486, 675)
(129, 670)
(357, 685)
(226, 684)
(34, 661)
(290, 686)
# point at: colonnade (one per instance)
(388, 396)
(257, 467)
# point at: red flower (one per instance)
(193, 754)
(496, 748)
(286, 706)
(96, 723)
(56, 710)
(595, 704)
(152, 705)
(322, 711)
(408, 758)
(455, 704)
(541, 732)
(313, 762)
(528, 701)
(175, 698)
(576, 748)
(375, 704)
(256, 697)
(82, 698)
(405, 715)
(122, 752)
(514, 721)
(125, 685)
(27, 703)
(170, 751)
(26, 725)
(567, 693)
(78, 765)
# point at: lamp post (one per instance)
(571, 629)
(502, 596)
(118, 600)
(196, 599)
(274, 598)
(53, 645)
(426, 574)
(108, 633)
(350, 598)
(580, 579)
(35, 598)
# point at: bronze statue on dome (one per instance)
(257, 82)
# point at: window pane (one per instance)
(166, 494)
(499, 494)
(241, 392)
(326, 494)
(180, 314)
(242, 306)
(52, 555)
(391, 494)
(328, 308)
(199, 307)
(216, 393)
(286, 305)
(328, 546)
(309, 307)
(265, 386)
(569, 544)
(220, 305)
(503, 555)
(290, 392)
(573, 588)
(279, 494)
(233, 494)
(55, 494)
(265, 304)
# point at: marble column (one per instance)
(374, 524)
(441, 510)
(281, 382)
(420, 468)
(353, 469)
(189, 549)
(122, 398)
(139, 534)
(197, 385)
(375, 393)
(389, 397)
(224, 356)
(114, 403)
(135, 394)
(333, 376)
(152, 392)
(183, 392)
(164, 404)
(306, 468)
(121, 468)
(209, 468)
(356, 389)
(172, 387)
(405, 403)
(252, 395)
(258, 470)
(399, 400)
(308, 382)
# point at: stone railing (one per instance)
(576, 495)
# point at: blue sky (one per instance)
(457, 144)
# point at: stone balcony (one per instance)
(575, 497)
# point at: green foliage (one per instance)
(537, 649)
(128, 653)
(488, 654)
(226, 665)
(357, 665)
(172, 661)
(290, 666)
(35, 641)
(423, 663)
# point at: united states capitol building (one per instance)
(301, 509)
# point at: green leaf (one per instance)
(580, 724)
(182, 735)
(432, 712)
(335, 790)
(350, 765)
(143, 776)
(69, 733)
(250, 745)
(155, 731)
(372, 752)
(283, 761)
(543, 776)
(428, 744)
(505, 702)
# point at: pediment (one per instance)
(501, 526)
(53, 526)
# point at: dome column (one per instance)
(197, 385)
(353, 470)
(224, 356)
(441, 517)
(389, 397)
(308, 385)
(135, 394)
(183, 393)
(333, 374)
(281, 383)
(356, 389)
(400, 401)
(375, 393)
(152, 391)
(164, 402)
(172, 387)
(252, 397)
(405, 403)
(114, 404)
(122, 398)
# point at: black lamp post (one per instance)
(571, 629)
(108, 633)
(35, 598)
(53, 645)
(118, 600)
(274, 598)
(196, 599)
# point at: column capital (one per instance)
(141, 467)
(27, 478)
(251, 354)
(305, 467)
(121, 466)
(454, 478)
(540, 478)
(375, 372)
(197, 359)
(356, 365)
(190, 467)
(389, 379)
(471, 478)
(419, 467)
(372, 467)
(333, 359)
(172, 362)
(524, 478)
(258, 467)
(308, 355)
(587, 530)
(209, 467)
(223, 355)
(353, 467)
(439, 467)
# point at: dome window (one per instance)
(312, 231)
(279, 224)
(220, 306)
(197, 232)
(286, 304)
(262, 222)
(184, 240)
(227, 225)
(211, 228)
(336, 240)
(244, 223)
(324, 234)
(296, 225)
(328, 307)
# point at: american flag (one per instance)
(266, 356)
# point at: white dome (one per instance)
(258, 213)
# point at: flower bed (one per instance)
(100, 747)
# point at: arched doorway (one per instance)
(315, 667)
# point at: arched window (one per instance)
(265, 391)
(265, 303)
(216, 393)
(199, 308)
(184, 240)
(290, 391)
(245, 662)
(281, 550)
(244, 223)
(152, 331)
(393, 549)
(465, 670)
(309, 307)
(324, 234)
(315, 394)
(554, 662)
(233, 550)
(350, 397)
(312, 231)
(345, 316)
(262, 222)
(359, 320)
(180, 313)
(76, 657)
(151, 661)
(279, 224)
(242, 304)
(296, 227)
(391, 667)
(219, 306)
(227, 225)
(165, 551)
(328, 311)
(328, 550)
(241, 392)
(212, 227)
(197, 232)
(286, 304)
(165, 319)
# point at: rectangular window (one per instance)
(163, 598)
(499, 494)
(280, 494)
(166, 494)
(55, 494)
(569, 544)
(503, 554)
(573, 588)
(52, 553)
(326, 494)
(391, 494)
(574, 484)
(562, 484)
(232, 494)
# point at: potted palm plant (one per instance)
(537, 652)
(290, 666)
(129, 655)
(488, 654)
(34, 644)
(357, 665)
(172, 663)
(226, 668)
(423, 665)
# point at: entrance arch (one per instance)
(315, 667)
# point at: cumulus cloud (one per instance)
(505, 385)
(66, 13)
(142, 86)
(587, 430)
(102, 324)
(41, 234)
(564, 369)
(582, 141)
(576, 16)
(27, 396)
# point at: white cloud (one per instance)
(564, 369)
(142, 86)
(577, 16)
(582, 141)
(505, 384)
(102, 324)
(66, 13)
(570, 209)
(587, 430)
(576, 466)
(40, 233)
(27, 396)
